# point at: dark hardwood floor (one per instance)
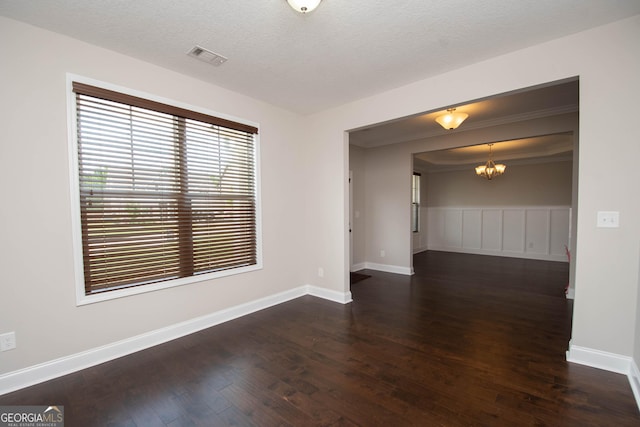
(467, 341)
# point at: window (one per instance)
(415, 202)
(165, 193)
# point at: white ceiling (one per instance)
(342, 51)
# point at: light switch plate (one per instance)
(608, 219)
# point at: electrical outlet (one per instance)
(383, 253)
(8, 341)
(320, 272)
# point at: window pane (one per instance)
(222, 193)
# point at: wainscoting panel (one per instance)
(534, 232)
(453, 229)
(420, 237)
(560, 223)
(537, 231)
(491, 230)
(513, 230)
(472, 229)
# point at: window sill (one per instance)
(82, 299)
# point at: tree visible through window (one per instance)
(415, 202)
(165, 193)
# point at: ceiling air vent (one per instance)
(207, 56)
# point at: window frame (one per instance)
(415, 205)
(81, 297)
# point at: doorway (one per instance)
(386, 154)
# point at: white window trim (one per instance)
(416, 204)
(81, 297)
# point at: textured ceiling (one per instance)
(344, 50)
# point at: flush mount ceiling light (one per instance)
(451, 119)
(304, 6)
(490, 170)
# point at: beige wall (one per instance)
(539, 184)
(37, 285)
(607, 62)
(636, 352)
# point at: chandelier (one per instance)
(490, 170)
(304, 6)
(451, 120)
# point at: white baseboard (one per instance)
(65, 365)
(389, 268)
(507, 254)
(634, 381)
(359, 266)
(609, 362)
(328, 294)
(599, 359)
(571, 293)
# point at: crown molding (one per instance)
(514, 162)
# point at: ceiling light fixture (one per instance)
(451, 120)
(490, 170)
(304, 6)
